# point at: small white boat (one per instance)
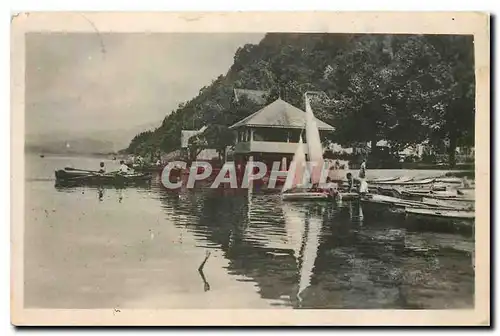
(418, 182)
(383, 179)
(348, 195)
(449, 180)
(429, 193)
(306, 195)
(450, 196)
(408, 181)
(460, 204)
(402, 179)
(400, 203)
(442, 214)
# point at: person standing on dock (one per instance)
(363, 185)
(362, 169)
(465, 182)
(102, 169)
(350, 182)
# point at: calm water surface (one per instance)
(142, 247)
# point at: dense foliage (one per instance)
(401, 88)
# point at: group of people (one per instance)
(140, 161)
(363, 185)
(333, 189)
(124, 169)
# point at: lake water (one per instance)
(142, 247)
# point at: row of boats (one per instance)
(441, 198)
(433, 198)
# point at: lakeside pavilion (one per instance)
(271, 134)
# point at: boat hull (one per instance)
(442, 214)
(65, 178)
(407, 182)
(305, 196)
(347, 196)
(387, 204)
(464, 204)
(147, 168)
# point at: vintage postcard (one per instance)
(308, 168)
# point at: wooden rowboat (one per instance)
(403, 179)
(406, 181)
(304, 196)
(442, 214)
(449, 180)
(383, 179)
(346, 196)
(428, 193)
(65, 177)
(459, 204)
(395, 202)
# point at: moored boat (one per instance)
(146, 168)
(65, 174)
(402, 179)
(65, 177)
(449, 180)
(463, 204)
(305, 195)
(383, 179)
(418, 194)
(408, 182)
(346, 196)
(441, 214)
(382, 203)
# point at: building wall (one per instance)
(268, 147)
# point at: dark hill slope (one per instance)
(402, 88)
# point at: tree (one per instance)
(362, 82)
(137, 143)
(454, 118)
(196, 144)
(218, 137)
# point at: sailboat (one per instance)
(294, 188)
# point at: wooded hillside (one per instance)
(400, 88)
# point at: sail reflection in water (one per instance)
(309, 250)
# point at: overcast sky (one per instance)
(90, 82)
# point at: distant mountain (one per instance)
(74, 146)
(94, 142)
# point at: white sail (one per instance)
(297, 166)
(313, 144)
